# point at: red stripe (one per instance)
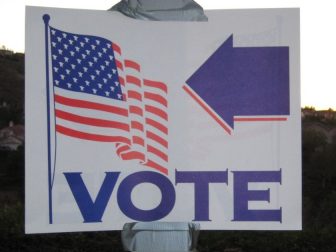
(91, 137)
(208, 110)
(124, 97)
(91, 121)
(157, 125)
(156, 84)
(90, 105)
(156, 111)
(116, 48)
(133, 155)
(157, 139)
(133, 80)
(134, 95)
(122, 148)
(259, 119)
(156, 166)
(138, 140)
(122, 81)
(119, 64)
(132, 64)
(156, 97)
(157, 152)
(137, 125)
(135, 110)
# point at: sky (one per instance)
(318, 36)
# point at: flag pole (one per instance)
(46, 19)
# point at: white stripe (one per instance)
(92, 113)
(89, 97)
(155, 91)
(91, 129)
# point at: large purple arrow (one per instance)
(244, 81)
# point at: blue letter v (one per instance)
(91, 211)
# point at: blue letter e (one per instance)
(91, 211)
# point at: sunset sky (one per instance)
(318, 36)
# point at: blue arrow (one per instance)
(244, 81)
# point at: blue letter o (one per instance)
(163, 183)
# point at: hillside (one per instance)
(11, 87)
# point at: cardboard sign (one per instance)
(129, 120)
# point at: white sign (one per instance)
(130, 120)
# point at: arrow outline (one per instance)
(236, 118)
(220, 121)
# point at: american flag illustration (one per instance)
(100, 96)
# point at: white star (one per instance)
(81, 88)
(65, 46)
(60, 51)
(72, 53)
(114, 71)
(112, 89)
(82, 44)
(100, 85)
(104, 49)
(77, 48)
(70, 41)
(53, 32)
(116, 83)
(54, 57)
(85, 69)
(97, 72)
(107, 93)
(75, 80)
(108, 45)
(57, 82)
(97, 42)
(100, 54)
(62, 76)
(105, 80)
(79, 61)
(83, 56)
(53, 44)
(95, 59)
(66, 59)
(59, 39)
(64, 35)
(61, 64)
(86, 39)
(109, 75)
(93, 47)
(75, 37)
(111, 57)
(119, 96)
(107, 63)
(67, 71)
(92, 77)
(94, 91)
(90, 63)
(80, 74)
(56, 69)
(69, 85)
(87, 83)
(87, 52)
(73, 66)
(102, 67)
